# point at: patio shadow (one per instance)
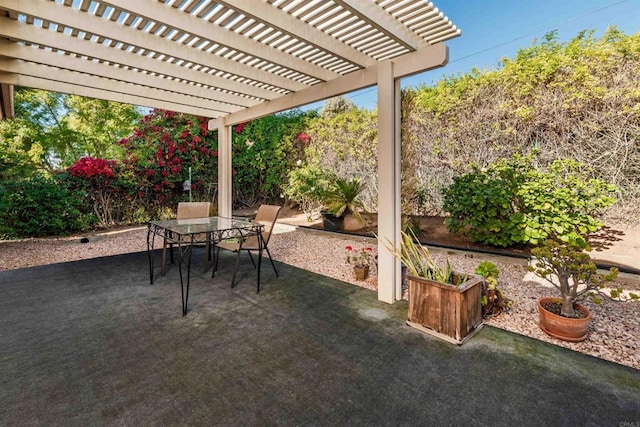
(91, 342)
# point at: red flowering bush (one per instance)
(160, 152)
(240, 127)
(165, 146)
(98, 178)
(92, 168)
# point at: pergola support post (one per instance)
(389, 268)
(225, 206)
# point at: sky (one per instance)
(494, 29)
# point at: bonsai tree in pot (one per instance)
(442, 302)
(341, 200)
(569, 268)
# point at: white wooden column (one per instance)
(225, 179)
(389, 271)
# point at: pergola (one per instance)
(232, 61)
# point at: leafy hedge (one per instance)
(43, 206)
(577, 99)
(264, 150)
(514, 201)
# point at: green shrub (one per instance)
(514, 202)
(264, 150)
(562, 203)
(307, 186)
(42, 206)
(493, 301)
(484, 203)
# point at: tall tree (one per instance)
(100, 124)
(51, 130)
(20, 155)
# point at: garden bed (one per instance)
(617, 246)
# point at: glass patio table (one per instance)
(185, 233)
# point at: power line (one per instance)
(535, 33)
(529, 35)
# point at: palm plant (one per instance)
(342, 198)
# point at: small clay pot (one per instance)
(361, 272)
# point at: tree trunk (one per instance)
(567, 307)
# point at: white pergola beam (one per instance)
(102, 69)
(383, 22)
(92, 24)
(142, 94)
(389, 197)
(175, 18)
(225, 176)
(20, 31)
(6, 101)
(71, 89)
(294, 27)
(406, 65)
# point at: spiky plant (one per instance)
(419, 262)
(342, 198)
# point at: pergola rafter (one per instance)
(236, 52)
(231, 61)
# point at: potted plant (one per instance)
(493, 301)
(442, 302)
(569, 268)
(341, 200)
(361, 260)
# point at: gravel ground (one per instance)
(614, 332)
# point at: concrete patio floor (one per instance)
(92, 343)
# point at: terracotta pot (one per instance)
(563, 328)
(361, 272)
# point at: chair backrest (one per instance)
(267, 216)
(188, 210)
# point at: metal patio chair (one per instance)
(267, 216)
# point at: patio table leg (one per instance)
(260, 243)
(235, 270)
(150, 242)
(207, 248)
(184, 293)
(215, 238)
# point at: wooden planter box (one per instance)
(453, 313)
